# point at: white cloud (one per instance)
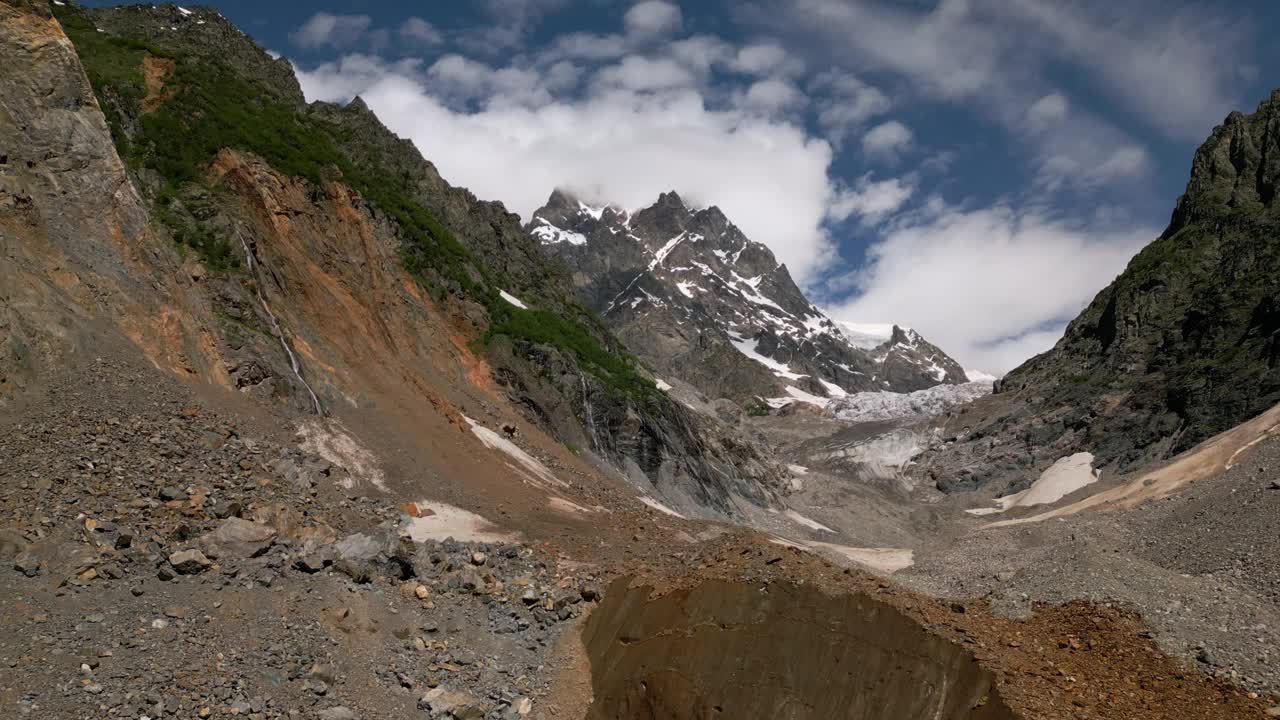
(325, 29)
(588, 46)
(846, 103)
(766, 58)
(637, 72)
(773, 95)
(886, 140)
(642, 128)
(417, 31)
(1174, 66)
(871, 200)
(652, 17)
(1047, 111)
(701, 52)
(991, 286)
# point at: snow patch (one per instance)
(184, 11)
(594, 212)
(979, 376)
(811, 524)
(532, 468)
(331, 441)
(659, 506)
(748, 348)
(866, 336)
(1064, 477)
(512, 299)
(551, 235)
(437, 521)
(663, 385)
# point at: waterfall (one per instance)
(591, 419)
(275, 326)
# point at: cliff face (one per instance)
(1184, 344)
(301, 255)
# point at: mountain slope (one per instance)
(1184, 344)
(324, 263)
(698, 300)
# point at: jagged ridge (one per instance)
(694, 297)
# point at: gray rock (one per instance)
(237, 538)
(189, 562)
(451, 703)
(171, 493)
(337, 713)
(27, 564)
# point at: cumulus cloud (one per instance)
(642, 127)
(652, 17)
(325, 29)
(886, 140)
(766, 58)
(773, 95)
(417, 31)
(992, 286)
(871, 200)
(846, 103)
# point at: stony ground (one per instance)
(1200, 567)
(162, 561)
(167, 554)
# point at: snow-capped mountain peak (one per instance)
(697, 299)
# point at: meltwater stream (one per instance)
(279, 332)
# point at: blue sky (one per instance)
(976, 169)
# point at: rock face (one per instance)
(1184, 344)
(695, 298)
(301, 255)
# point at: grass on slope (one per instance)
(212, 107)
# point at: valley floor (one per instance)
(328, 598)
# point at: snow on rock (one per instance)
(870, 406)
(550, 235)
(866, 336)
(512, 299)
(748, 348)
(663, 385)
(979, 376)
(1062, 478)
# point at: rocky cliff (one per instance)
(302, 254)
(1184, 344)
(689, 293)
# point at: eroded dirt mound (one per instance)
(738, 650)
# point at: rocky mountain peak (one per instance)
(1236, 170)
(700, 301)
(1184, 344)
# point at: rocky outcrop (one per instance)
(689, 293)
(1184, 344)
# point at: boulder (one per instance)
(189, 562)
(237, 538)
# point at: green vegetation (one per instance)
(209, 106)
